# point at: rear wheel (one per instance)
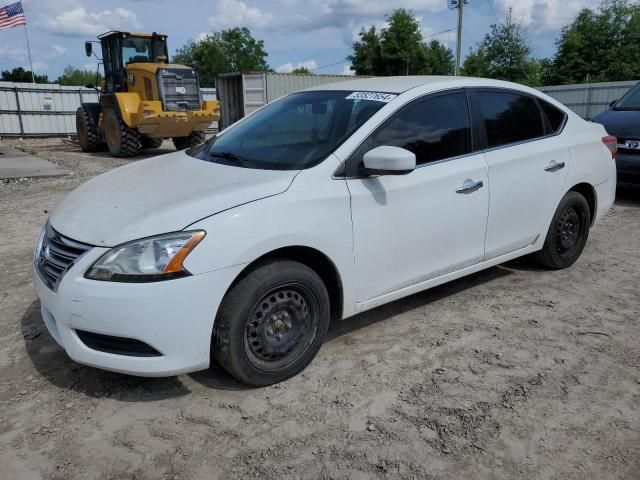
(194, 138)
(88, 136)
(151, 142)
(271, 324)
(567, 233)
(121, 140)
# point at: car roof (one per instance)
(402, 84)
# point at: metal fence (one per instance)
(588, 99)
(28, 109)
(44, 110)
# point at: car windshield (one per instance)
(141, 49)
(631, 101)
(293, 133)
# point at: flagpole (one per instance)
(33, 77)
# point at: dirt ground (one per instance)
(512, 373)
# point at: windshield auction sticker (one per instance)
(375, 96)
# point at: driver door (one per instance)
(409, 229)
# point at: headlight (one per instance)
(147, 260)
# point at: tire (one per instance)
(271, 323)
(194, 138)
(567, 233)
(88, 136)
(151, 142)
(121, 140)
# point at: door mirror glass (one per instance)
(387, 160)
(88, 48)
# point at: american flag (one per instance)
(12, 16)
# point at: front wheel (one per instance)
(271, 323)
(567, 233)
(194, 138)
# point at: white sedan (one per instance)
(321, 205)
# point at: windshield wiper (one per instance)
(232, 157)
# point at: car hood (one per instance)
(159, 195)
(621, 123)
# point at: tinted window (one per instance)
(510, 118)
(554, 115)
(433, 129)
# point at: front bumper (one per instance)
(152, 121)
(628, 167)
(175, 317)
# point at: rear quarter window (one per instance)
(555, 116)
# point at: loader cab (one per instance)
(119, 49)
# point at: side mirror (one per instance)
(613, 102)
(387, 160)
(88, 48)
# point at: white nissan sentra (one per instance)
(321, 205)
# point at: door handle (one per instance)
(469, 186)
(554, 166)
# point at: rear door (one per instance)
(528, 165)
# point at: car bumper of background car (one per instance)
(628, 167)
(146, 329)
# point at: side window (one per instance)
(434, 129)
(554, 115)
(510, 117)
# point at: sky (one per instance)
(316, 34)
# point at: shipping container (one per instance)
(242, 94)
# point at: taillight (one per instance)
(612, 144)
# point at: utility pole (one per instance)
(459, 4)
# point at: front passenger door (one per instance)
(412, 228)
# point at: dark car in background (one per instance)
(623, 121)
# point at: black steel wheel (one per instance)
(567, 233)
(281, 326)
(271, 323)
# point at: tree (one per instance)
(439, 59)
(601, 45)
(476, 64)
(19, 74)
(75, 76)
(399, 49)
(233, 50)
(302, 71)
(365, 59)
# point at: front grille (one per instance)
(117, 345)
(55, 254)
(179, 89)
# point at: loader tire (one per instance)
(151, 142)
(121, 140)
(194, 138)
(88, 136)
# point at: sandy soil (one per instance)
(512, 373)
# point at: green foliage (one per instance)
(302, 71)
(399, 49)
(19, 74)
(504, 54)
(599, 46)
(233, 50)
(75, 76)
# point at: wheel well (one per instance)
(589, 193)
(315, 260)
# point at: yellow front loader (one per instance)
(144, 99)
